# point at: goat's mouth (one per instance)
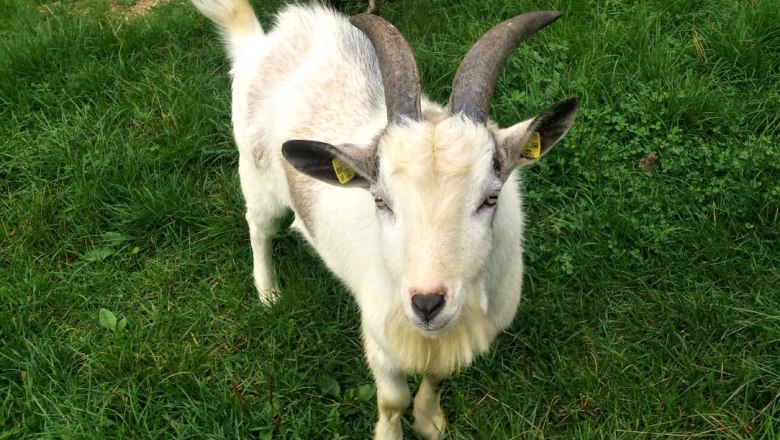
(436, 326)
(433, 327)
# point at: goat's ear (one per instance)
(341, 165)
(519, 144)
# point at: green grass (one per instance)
(652, 300)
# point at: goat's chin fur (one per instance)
(440, 355)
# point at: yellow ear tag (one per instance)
(533, 149)
(343, 172)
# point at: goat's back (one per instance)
(315, 76)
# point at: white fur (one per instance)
(302, 81)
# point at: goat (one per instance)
(414, 206)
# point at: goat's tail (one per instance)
(236, 22)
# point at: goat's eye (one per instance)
(380, 202)
(489, 202)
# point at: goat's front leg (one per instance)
(392, 393)
(429, 421)
(393, 397)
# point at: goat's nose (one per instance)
(427, 305)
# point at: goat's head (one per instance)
(436, 180)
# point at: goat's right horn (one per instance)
(396, 62)
(477, 74)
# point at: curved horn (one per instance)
(476, 77)
(396, 62)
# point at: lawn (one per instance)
(652, 294)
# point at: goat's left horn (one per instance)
(477, 74)
(396, 62)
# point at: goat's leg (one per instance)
(392, 393)
(262, 215)
(429, 420)
(265, 280)
(393, 397)
(373, 7)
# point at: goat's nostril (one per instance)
(427, 305)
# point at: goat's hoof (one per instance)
(267, 292)
(430, 427)
(268, 297)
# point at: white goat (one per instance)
(414, 206)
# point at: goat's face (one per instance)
(436, 191)
(436, 184)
